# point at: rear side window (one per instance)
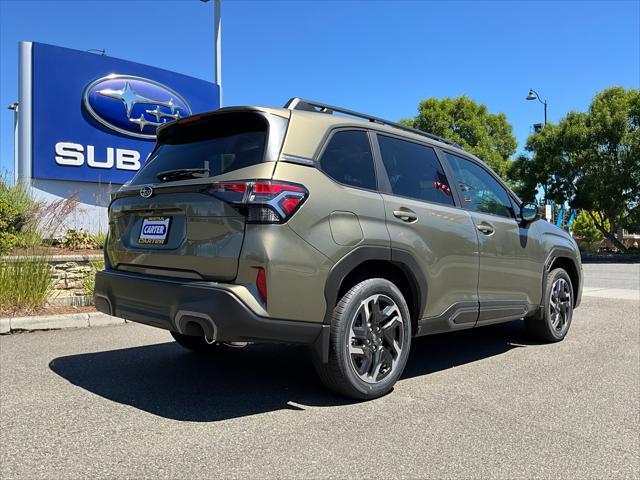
(414, 171)
(213, 146)
(348, 159)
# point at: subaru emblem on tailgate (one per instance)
(146, 191)
(133, 106)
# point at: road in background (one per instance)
(616, 275)
(606, 280)
(125, 401)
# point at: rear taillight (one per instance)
(264, 201)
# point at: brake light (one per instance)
(264, 201)
(238, 187)
(261, 284)
(272, 188)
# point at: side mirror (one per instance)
(529, 212)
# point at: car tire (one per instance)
(369, 341)
(551, 323)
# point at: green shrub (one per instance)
(8, 214)
(585, 229)
(99, 240)
(16, 216)
(77, 239)
(81, 239)
(11, 222)
(89, 278)
(24, 283)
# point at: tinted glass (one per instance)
(414, 171)
(480, 191)
(348, 159)
(207, 148)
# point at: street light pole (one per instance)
(15, 106)
(217, 45)
(533, 95)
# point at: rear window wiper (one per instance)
(167, 175)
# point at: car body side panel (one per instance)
(558, 244)
(296, 272)
(511, 262)
(331, 205)
(443, 241)
(307, 131)
(531, 258)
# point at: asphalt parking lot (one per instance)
(126, 401)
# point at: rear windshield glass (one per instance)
(207, 148)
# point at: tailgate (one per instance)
(167, 222)
(202, 238)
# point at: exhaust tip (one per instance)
(196, 324)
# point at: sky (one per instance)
(378, 57)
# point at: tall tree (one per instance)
(591, 160)
(488, 136)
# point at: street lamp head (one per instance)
(531, 96)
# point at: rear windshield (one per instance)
(206, 148)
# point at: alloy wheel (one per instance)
(560, 305)
(376, 338)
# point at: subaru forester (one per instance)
(317, 225)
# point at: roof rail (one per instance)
(297, 103)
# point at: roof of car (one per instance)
(329, 119)
(339, 120)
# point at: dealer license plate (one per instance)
(154, 230)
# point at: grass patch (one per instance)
(24, 283)
(99, 239)
(89, 279)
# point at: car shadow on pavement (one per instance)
(169, 381)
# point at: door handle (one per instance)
(405, 215)
(485, 228)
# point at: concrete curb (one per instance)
(69, 320)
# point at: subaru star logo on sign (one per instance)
(94, 117)
(133, 106)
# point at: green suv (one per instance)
(312, 224)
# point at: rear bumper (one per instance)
(173, 304)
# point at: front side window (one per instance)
(480, 191)
(414, 170)
(348, 159)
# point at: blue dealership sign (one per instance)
(94, 117)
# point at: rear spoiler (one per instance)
(168, 128)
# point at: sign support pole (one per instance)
(217, 46)
(23, 166)
(217, 34)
